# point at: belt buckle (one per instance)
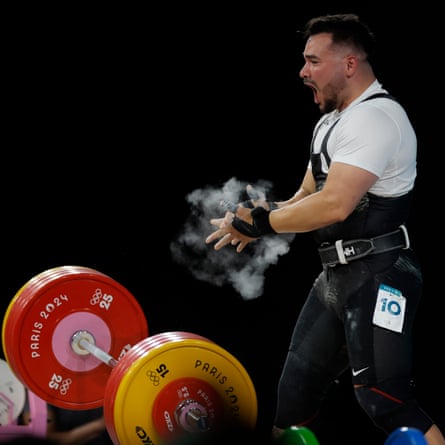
(348, 253)
(340, 252)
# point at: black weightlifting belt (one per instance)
(343, 252)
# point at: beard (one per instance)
(329, 105)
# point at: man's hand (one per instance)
(227, 234)
(240, 228)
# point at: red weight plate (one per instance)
(171, 410)
(42, 319)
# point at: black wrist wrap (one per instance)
(259, 227)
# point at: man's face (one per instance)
(324, 70)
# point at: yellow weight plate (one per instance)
(163, 377)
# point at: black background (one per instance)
(113, 115)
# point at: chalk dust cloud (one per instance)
(244, 271)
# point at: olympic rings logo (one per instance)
(97, 296)
(154, 378)
(65, 386)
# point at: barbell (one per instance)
(79, 340)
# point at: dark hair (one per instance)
(345, 28)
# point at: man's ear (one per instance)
(351, 65)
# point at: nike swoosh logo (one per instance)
(359, 371)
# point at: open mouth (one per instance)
(314, 90)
